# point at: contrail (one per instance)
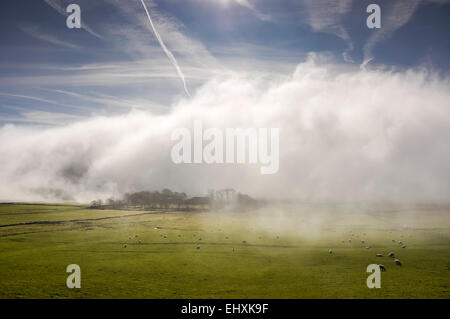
(167, 51)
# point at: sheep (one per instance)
(397, 262)
(400, 243)
(363, 241)
(382, 268)
(404, 246)
(393, 240)
(350, 241)
(140, 242)
(125, 246)
(244, 241)
(165, 236)
(200, 238)
(367, 247)
(136, 236)
(330, 251)
(379, 255)
(391, 254)
(343, 241)
(198, 247)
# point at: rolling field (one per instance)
(285, 254)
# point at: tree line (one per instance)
(145, 199)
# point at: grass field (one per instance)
(285, 254)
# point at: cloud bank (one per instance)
(345, 133)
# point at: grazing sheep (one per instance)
(379, 255)
(350, 241)
(140, 242)
(403, 246)
(244, 241)
(363, 241)
(198, 247)
(391, 254)
(136, 236)
(125, 246)
(165, 236)
(330, 251)
(397, 262)
(343, 241)
(367, 247)
(400, 243)
(200, 238)
(393, 240)
(382, 268)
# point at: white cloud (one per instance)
(328, 16)
(344, 133)
(248, 4)
(34, 32)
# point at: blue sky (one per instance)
(52, 75)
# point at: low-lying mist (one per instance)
(345, 133)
